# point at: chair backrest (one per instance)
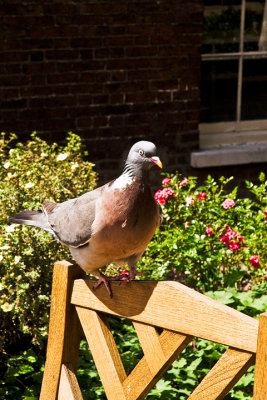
(181, 312)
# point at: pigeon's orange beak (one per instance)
(157, 161)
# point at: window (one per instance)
(234, 73)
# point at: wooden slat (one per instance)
(260, 384)
(69, 388)
(64, 329)
(104, 351)
(141, 379)
(171, 306)
(149, 340)
(223, 376)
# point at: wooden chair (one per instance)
(179, 310)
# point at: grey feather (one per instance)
(117, 220)
(32, 218)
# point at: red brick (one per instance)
(66, 77)
(62, 54)
(111, 71)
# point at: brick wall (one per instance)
(112, 71)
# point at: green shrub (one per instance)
(30, 174)
(200, 242)
(210, 238)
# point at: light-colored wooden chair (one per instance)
(182, 313)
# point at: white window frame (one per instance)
(221, 139)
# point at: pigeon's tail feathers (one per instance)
(32, 218)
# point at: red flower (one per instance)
(125, 272)
(265, 277)
(227, 239)
(183, 182)
(209, 231)
(190, 201)
(166, 181)
(187, 223)
(162, 195)
(202, 196)
(159, 197)
(265, 213)
(168, 192)
(233, 245)
(255, 261)
(228, 203)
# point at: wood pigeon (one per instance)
(113, 223)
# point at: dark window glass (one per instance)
(219, 90)
(254, 89)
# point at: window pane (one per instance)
(221, 26)
(253, 24)
(219, 90)
(254, 92)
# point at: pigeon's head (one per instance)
(143, 155)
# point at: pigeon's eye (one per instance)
(141, 152)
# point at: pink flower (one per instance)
(166, 181)
(183, 182)
(162, 195)
(230, 233)
(233, 245)
(255, 261)
(190, 201)
(227, 239)
(168, 192)
(187, 223)
(228, 203)
(209, 231)
(265, 277)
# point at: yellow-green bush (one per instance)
(31, 173)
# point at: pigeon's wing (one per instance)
(72, 220)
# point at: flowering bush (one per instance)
(209, 237)
(30, 174)
(162, 195)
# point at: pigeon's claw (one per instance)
(106, 279)
(103, 279)
(134, 273)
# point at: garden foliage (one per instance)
(209, 239)
(30, 174)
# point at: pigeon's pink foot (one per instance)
(106, 279)
(103, 279)
(135, 273)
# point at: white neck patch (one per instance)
(122, 181)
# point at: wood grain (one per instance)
(64, 329)
(223, 376)
(149, 340)
(171, 306)
(260, 384)
(104, 351)
(142, 379)
(69, 388)
(179, 310)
